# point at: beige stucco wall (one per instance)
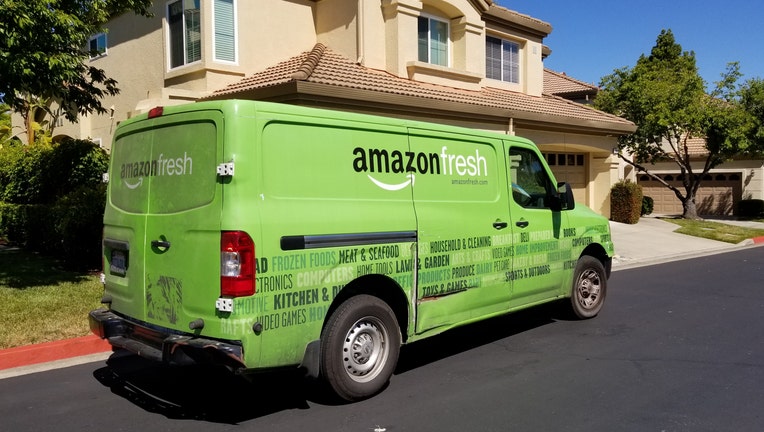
(338, 25)
(136, 57)
(532, 72)
(467, 42)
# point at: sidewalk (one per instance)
(651, 241)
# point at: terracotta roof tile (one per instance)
(696, 146)
(557, 83)
(324, 66)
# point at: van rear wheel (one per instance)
(589, 288)
(359, 347)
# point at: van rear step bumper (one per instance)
(162, 345)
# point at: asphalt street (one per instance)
(678, 347)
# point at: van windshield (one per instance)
(165, 169)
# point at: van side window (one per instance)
(530, 181)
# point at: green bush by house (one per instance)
(52, 199)
(625, 202)
(647, 205)
(751, 208)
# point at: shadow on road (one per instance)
(203, 392)
(214, 394)
(465, 338)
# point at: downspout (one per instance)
(359, 33)
(511, 127)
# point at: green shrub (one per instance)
(21, 181)
(79, 224)
(42, 174)
(751, 208)
(72, 165)
(647, 205)
(54, 199)
(12, 225)
(625, 202)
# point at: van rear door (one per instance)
(162, 219)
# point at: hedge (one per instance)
(625, 202)
(70, 229)
(751, 208)
(52, 199)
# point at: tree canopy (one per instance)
(44, 48)
(752, 100)
(665, 96)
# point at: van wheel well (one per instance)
(597, 251)
(381, 287)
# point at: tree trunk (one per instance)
(690, 210)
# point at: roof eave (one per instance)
(305, 92)
(511, 19)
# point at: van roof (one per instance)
(251, 108)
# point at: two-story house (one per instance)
(471, 63)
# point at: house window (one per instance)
(225, 30)
(502, 60)
(184, 21)
(97, 45)
(433, 41)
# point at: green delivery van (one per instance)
(258, 235)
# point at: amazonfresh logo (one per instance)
(132, 173)
(411, 163)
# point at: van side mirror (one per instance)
(567, 202)
(563, 199)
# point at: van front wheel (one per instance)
(589, 288)
(359, 347)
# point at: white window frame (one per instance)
(430, 19)
(186, 61)
(96, 38)
(512, 79)
(235, 33)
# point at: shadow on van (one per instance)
(213, 394)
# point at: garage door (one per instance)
(570, 168)
(718, 194)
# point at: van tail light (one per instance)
(237, 264)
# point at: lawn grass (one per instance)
(715, 230)
(40, 301)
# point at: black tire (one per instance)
(359, 347)
(589, 288)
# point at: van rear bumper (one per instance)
(162, 345)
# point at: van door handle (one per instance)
(500, 225)
(162, 245)
(522, 223)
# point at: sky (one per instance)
(590, 39)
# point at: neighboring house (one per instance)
(720, 190)
(464, 62)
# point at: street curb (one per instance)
(51, 351)
(758, 240)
